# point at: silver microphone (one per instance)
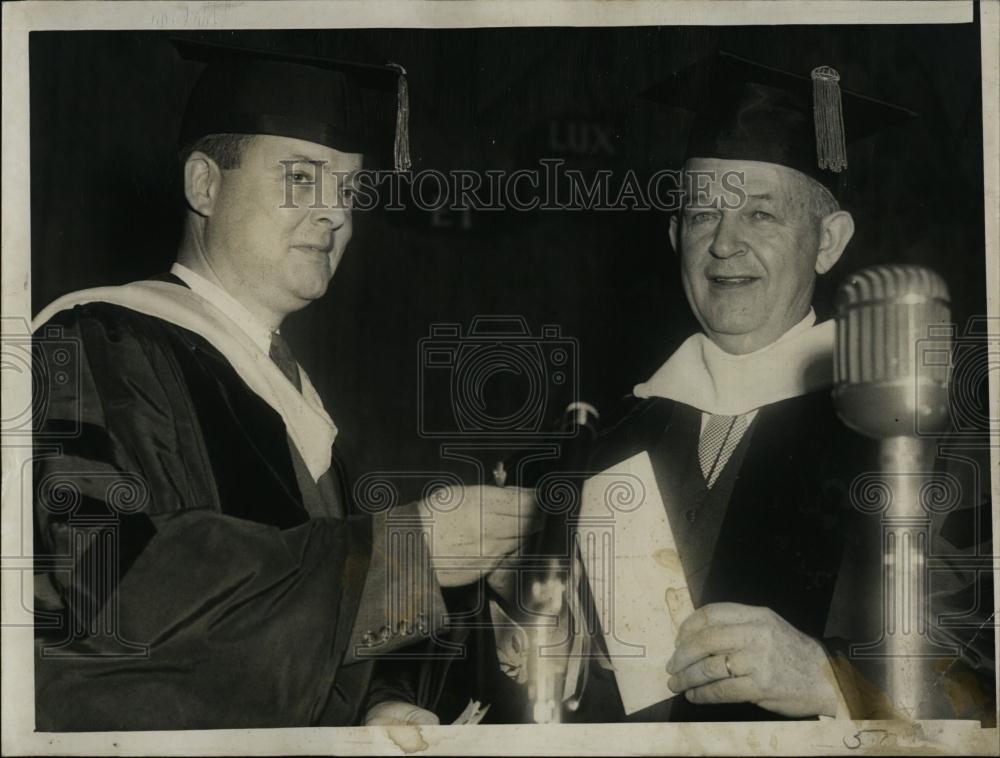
(891, 371)
(892, 324)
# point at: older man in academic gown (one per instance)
(753, 465)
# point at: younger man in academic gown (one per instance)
(199, 561)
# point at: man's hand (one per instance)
(504, 579)
(472, 529)
(770, 662)
(398, 713)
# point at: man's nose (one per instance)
(333, 209)
(728, 240)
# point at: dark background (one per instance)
(107, 205)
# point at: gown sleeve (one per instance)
(157, 610)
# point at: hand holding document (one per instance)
(635, 577)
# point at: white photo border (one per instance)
(817, 738)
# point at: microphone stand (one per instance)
(891, 367)
(545, 576)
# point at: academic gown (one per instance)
(777, 530)
(189, 571)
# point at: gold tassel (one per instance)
(401, 148)
(828, 115)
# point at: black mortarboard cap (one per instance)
(249, 91)
(747, 111)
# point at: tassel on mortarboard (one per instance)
(401, 151)
(743, 110)
(828, 115)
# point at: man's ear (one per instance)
(202, 179)
(673, 232)
(835, 232)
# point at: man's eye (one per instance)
(702, 217)
(300, 177)
(761, 216)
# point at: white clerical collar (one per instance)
(229, 305)
(703, 375)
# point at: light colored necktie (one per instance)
(718, 439)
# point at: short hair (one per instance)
(814, 199)
(818, 201)
(225, 149)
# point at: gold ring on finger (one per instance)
(728, 667)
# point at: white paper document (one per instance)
(635, 577)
